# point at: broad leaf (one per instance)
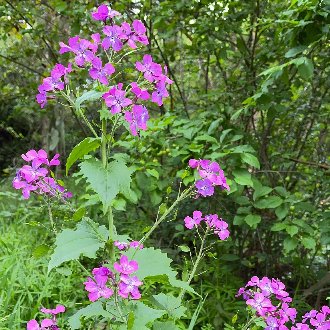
(251, 160)
(85, 240)
(94, 309)
(81, 149)
(171, 304)
(252, 220)
(109, 182)
(243, 177)
(308, 243)
(270, 202)
(167, 325)
(143, 314)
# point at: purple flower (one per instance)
(204, 187)
(287, 313)
(129, 286)
(97, 288)
(40, 157)
(261, 304)
(136, 245)
(97, 72)
(138, 34)
(46, 324)
(142, 94)
(121, 245)
(58, 309)
(104, 12)
(272, 323)
(112, 40)
(221, 229)
(115, 99)
(41, 98)
(160, 93)
(191, 222)
(137, 118)
(300, 326)
(150, 69)
(82, 48)
(32, 173)
(193, 163)
(126, 267)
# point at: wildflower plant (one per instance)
(119, 288)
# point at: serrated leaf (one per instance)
(243, 177)
(81, 149)
(251, 160)
(85, 240)
(87, 96)
(153, 263)
(308, 243)
(144, 314)
(109, 182)
(167, 325)
(94, 309)
(270, 202)
(171, 304)
(252, 220)
(260, 191)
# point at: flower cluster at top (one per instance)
(219, 226)
(106, 283)
(271, 301)
(87, 54)
(35, 177)
(211, 175)
(49, 323)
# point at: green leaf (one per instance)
(107, 183)
(214, 125)
(290, 244)
(252, 220)
(282, 211)
(78, 215)
(306, 69)
(87, 96)
(81, 149)
(94, 309)
(270, 202)
(292, 230)
(224, 134)
(294, 51)
(143, 314)
(153, 264)
(251, 160)
(206, 138)
(171, 304)
(167, 325)
(308, 243)
(279, 226)
(238, 220)
(40, 251)
(153, 173)
(243, 177)
(261, 191)
(85, 240)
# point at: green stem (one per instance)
(79, 113)
(198, 259)
(104, 144)
(50, 214)
(246, 327)
(111, 234)
(181, 197)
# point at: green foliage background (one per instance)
(251, 91)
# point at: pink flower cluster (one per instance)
(49, 323)
(35, 177)
(106, 283)
(270, 300)
(219, 226)
(211, 175)
(125, 245)
(126, 101)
